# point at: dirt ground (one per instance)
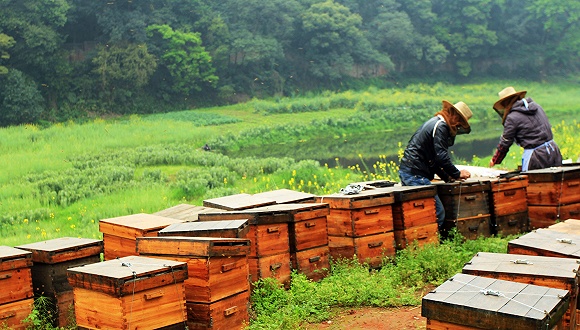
(402, 318)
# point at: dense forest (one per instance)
(65, 59)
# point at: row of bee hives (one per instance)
(209, 255)
(533, 286)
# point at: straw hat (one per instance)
(507, 93)
(461, 108)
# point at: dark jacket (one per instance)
(427, 152)
(529, 128)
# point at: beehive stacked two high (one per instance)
(361, 225)
(509, 205)
(51, 259)
(553, 195)
(16, 296)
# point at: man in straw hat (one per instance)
(525, 123)
(427, 153)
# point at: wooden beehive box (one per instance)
(269, 241)
(509, 205)
(369, 249)
(185, 212)
(307, 235)
(238, 202)
(559, 273)
(130, 292)
(466, 206)
(224, 228)
(51, 259)
(13, 315)
(475, 302)
(548, 243)
(414, 216)
(120, 233)
(287, 196)
(570, 226)
(553, 195)
(217, 267)
(15, 274)
(228, 313)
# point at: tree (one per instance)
(182, 54)
(20, 100)
(6, 42)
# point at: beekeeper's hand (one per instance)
(464, 174)
(491, 163)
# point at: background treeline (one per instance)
(65, 59)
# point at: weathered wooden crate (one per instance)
(475, 302)
(559, 273)
(542, 216)
(366, 213)
(470, 227)
(224, 228)
(464, 199)
(509, 205)
(130, 292)
(13, 314)
(238, 202)
(120, 233)
(548, 243)
(51, 259)
(217, 267)
(228, 313)
(15, 274)
(285, 196)
(185, 212)
(369, 249)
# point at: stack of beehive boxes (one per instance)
(466, 206)
(553, 195)
(16, 296)
(509, 205)
(51, 259)
(361, 225)
(217, 291)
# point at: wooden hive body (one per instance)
(184, 212)
(361, 224)
(466, 206)
(509, 205)
(414, 215)
(16, 296)
(269, 241)
(559, 273)
(229, 313)
(120, 233)
(131, 292)
(553, 195)
(238, 202)
(225, 228)
(51, 259)
(475, 302)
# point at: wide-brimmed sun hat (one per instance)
(505, 94)
(461, 108)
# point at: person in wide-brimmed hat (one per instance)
(525, 123)
(427, 152)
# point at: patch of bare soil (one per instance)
(401, 318)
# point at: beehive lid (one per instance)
(236, 228)
(488, 303)
(13, 258)
(124, 276)
(297, 212)
(462, 187)
(283, 196)
(193, 246)
(375, 184)
(237, 202)
(141, 222)
(254, 216)
(549, 241)
(554, 174)
(407, 193)
(570, 226)
(502, 263)
(365, 198)
(185, 212)
(63, 249)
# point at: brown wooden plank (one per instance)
(12, 258)
(135, 225)
(63, 249)
(224, 228)
(193, 246)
